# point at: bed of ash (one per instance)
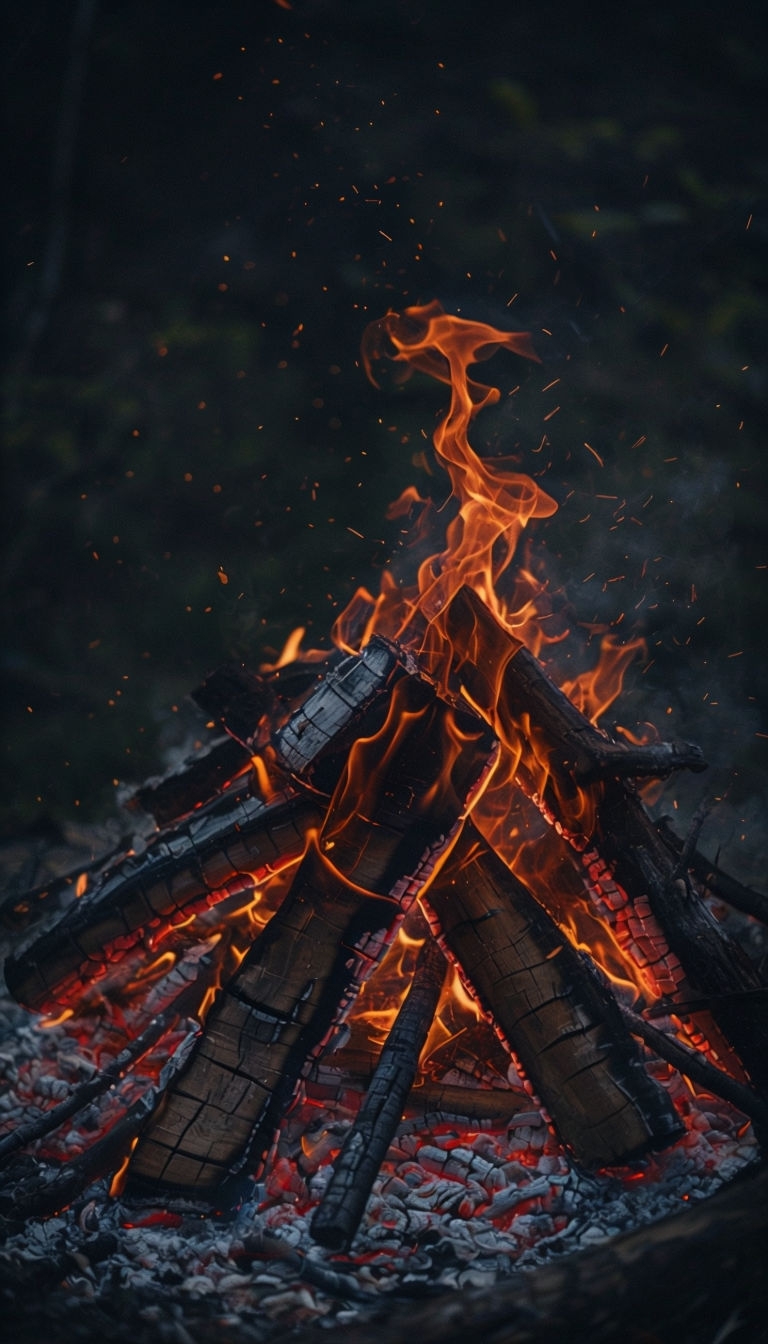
(456, 1205)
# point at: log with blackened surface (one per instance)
(548, 1005)
(232, 845)
(393, 815)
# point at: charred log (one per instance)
(198, 780)
(618, 828)
(228, 846)
(490, 658)
(231, 845)
(237, 699)
(383, 831)
(429, 1103)
(26, 905)
(240, 700)
(337, 1219)
(562, 1025)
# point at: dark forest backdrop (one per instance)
(208, 202)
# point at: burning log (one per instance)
(506, 682)
(365, 1147)
(392, 814)
(550, 1009)
(510, 688)
(231, 845)
(227, 847)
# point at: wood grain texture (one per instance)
(550, 1008)
(395, 807)
(234, 841)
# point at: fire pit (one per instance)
(404, 989)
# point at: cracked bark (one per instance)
(392, 813)
(550, 1008)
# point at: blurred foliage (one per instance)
(194, 461)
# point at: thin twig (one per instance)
(691, 840)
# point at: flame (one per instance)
(457, 1011)
(494, 502)
(157, 967)
(265, 785)
(56, 1021)
(118, 1180)
(485, 546)
(595, 691)
(292, 650)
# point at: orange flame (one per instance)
(118, 1180)
(594, 692)
(484, 547)
(495, 503)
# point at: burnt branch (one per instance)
(264, 1245)
(577, 747)
(338, 1217)
(50, 1187)
(713, 878)
(695, 1067)
(717, 969)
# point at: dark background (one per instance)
(209, 202)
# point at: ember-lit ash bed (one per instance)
(398, 990)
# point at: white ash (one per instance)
(455, 1205)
